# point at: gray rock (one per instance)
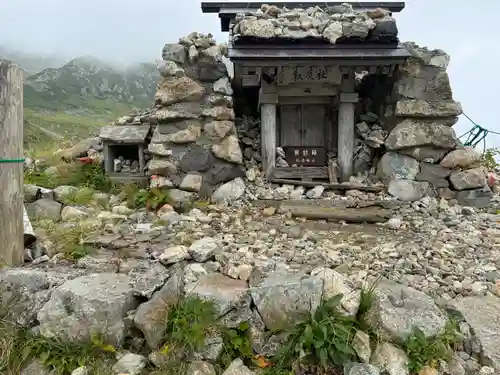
(395, 166)
(148, 277)
(479, 198)
(179, 198)
(229, 150)
(391, 359)
(174, 254)
(150, 316)
(196, 158)
(35, 367)
(191, 182)
(283, 300)
(174, 52)
(398, 309)
(44, 209)
(468, 179)
(24, 292)
(87, 305)
(223, 86)
(419, 133)
(229, 192)
(225, 292)
(30, 193)
(81, 371)
(238, 368)
(70, 213)
(200, 368)
(483, 316)
(177, 89)
(131, 364)
(408, 191)
(423, 108)
(361, 344)
(435, 174)
(360, 369)
(169, 69)
(203, 249)
(461, 158)
(426, 154)
(63, 192)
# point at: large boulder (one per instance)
(469, 179)
(423, 108)
(284, 299)
(44, 209)
(175, 90)
(483, 316)
(398, 309)
(395, 166)
(89, 305)
(420, 133)
(409, 191)
(461, 158)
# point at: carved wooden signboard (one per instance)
(305, 156)
(308, 74)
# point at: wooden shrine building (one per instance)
(306, 86)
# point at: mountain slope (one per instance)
(82, 95)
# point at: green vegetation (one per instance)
(324, 340)
(488, 159)
(67, 239)
(423, 352)
(74, 174)
(237, 344)
(152, 199)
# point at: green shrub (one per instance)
(325, 339)
(423, 351)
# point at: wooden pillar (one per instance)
(346, 124)
(142, 161)
(11, 165)
(268, 138)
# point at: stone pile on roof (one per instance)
(335, 25)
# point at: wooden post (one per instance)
(268, 138)
(11, 165)
(346, 127)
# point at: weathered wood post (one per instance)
(268, 138)
(348, 99)
(11, 164)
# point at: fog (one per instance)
(123, 32)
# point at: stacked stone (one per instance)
(334, 24)
(249, 135)
(138, 117)
(424, 156)
(195, 144)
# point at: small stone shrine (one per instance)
(304, 63)
(124, 152)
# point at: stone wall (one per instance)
(336, 24)
(423, 155)
(195, 144)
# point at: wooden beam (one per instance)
(268, 138)
(373, 189)
(301, 172)
(11, 166)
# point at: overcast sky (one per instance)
(131, 30)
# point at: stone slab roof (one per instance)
(128, 134)
(340, 24)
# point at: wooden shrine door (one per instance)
(304, 132)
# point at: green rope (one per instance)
(12, 160)
(476, 135)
